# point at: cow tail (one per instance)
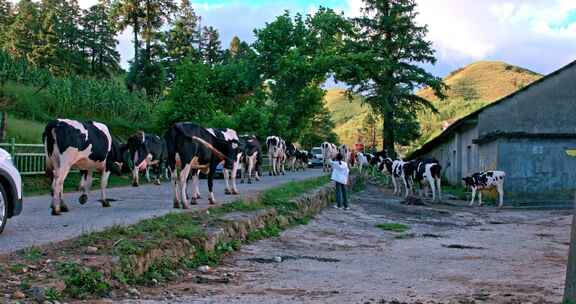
(170, 148)
(49, 142)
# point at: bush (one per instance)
(83, 281)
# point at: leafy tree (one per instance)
(319, 130)
(47, 53)
(57, 46)
(180, 40)
(211, 49)
(156, 13)
(100, 41)
(23, 31)
(234, 48)
(296, 55)
(147, 76)
(370, 130)
(191, 97)
(127, 13)
(5, 19)
(384, 60)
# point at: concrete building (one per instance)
(526, 134)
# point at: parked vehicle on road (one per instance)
(10, 189)
(317, 159)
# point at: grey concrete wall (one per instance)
(546, 107)
(537, 169)
(458, 156)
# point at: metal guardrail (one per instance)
(29, 159)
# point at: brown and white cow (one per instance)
(85, 145)
(329, 152)
(486, 180)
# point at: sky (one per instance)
(539, 35)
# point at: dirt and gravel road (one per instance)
(451, 254)
(35, 226)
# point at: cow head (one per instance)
(115, 161)
(230, 147)
(468, 181)
(138, 150)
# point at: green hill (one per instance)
(471, 88)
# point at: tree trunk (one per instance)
(3, 126)
(136, 28)
(388, 133)
(570, 286)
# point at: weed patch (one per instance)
(83, 281)
(32, 254)
(394, 227)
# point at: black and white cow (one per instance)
(276, 154)
(147, 150)
(429, 170)
(291, 154)
(486, 180)
(302, 158)
(230, 174)
(251, 157)
(329, 152)
(85, 145)
(377, 158)
(398, 170)
(361, 161)
(197, 148)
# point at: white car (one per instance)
(10, 189)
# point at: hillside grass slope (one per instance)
(470, 88)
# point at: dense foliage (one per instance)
(58, 60)
(384, 58)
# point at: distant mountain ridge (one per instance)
(471, 87)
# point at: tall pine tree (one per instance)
(129, 13)
(181, 39)
(384, 64)
(46, 53)
(211, 46)
(5, 20)
(100, 41)
(24, 30)
(156, 13)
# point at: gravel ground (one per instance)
(35, 226)
(451, 254)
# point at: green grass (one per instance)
(25, 131)
(394, 227)
(32, 253)
(82, 281)
(458, 191)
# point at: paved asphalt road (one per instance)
(35, 226)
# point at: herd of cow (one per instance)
(419, 171)
(186, 148)
(189, 149)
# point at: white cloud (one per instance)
(354, 8)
